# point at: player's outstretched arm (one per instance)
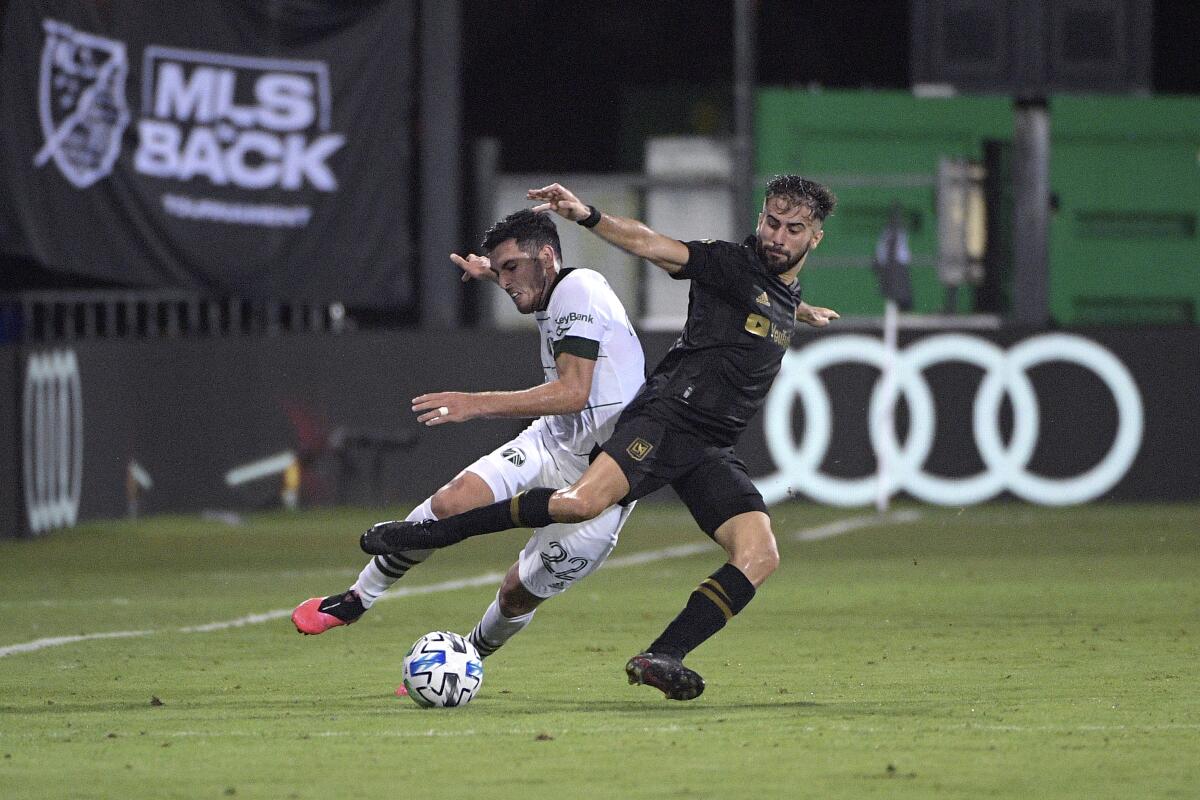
(566, 395)
(628, 234)
(816, 316)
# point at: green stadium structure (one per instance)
(1125, 178)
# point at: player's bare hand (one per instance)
(559, 200)
(473, 266)
(438, 408)
(815, 316)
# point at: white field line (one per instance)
(91, 601)
(838, 527)
(403, 733)
(489, 578)
(55, 641)
(279, 574)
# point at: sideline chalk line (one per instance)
(828, 530)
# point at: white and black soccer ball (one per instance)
(442, 670)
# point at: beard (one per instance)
(777, 266)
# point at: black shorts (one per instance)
(711, 481)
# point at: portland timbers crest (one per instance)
(81, 102)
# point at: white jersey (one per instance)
(583, 309)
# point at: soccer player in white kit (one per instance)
(593, 366)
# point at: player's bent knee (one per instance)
(756, 556)
(446, 502)
(465, 492)
(767, 562)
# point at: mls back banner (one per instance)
(243, 147)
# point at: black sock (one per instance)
(714, 602)
(347, 607)
(529, 509)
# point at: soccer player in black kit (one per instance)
(680, 429)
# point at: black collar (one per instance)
(562, 273)
(751, 242)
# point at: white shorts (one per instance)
(560, 554)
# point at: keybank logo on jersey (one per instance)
(254, 123)
(563, 324)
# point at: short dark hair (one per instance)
(531, 229)
(795, 189)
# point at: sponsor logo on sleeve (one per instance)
(563, 323)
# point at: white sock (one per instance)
(382, 571)
(495, 629)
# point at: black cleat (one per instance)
(667, 674)
(385, 538)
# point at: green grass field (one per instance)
(999, 651)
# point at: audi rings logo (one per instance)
(1005, 464)
(53, 440)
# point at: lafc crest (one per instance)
(81, 102)
(638, 449)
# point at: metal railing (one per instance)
(72, 315)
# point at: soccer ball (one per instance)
(442, 670)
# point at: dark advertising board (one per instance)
(107, 428)
(10, 444)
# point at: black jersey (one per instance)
(740, 322)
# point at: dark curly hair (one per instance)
(531, 230)
(795, 189)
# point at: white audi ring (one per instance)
(52, 440)
(1005, 373)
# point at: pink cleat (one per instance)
(319, 614)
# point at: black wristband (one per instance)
(592, 219)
